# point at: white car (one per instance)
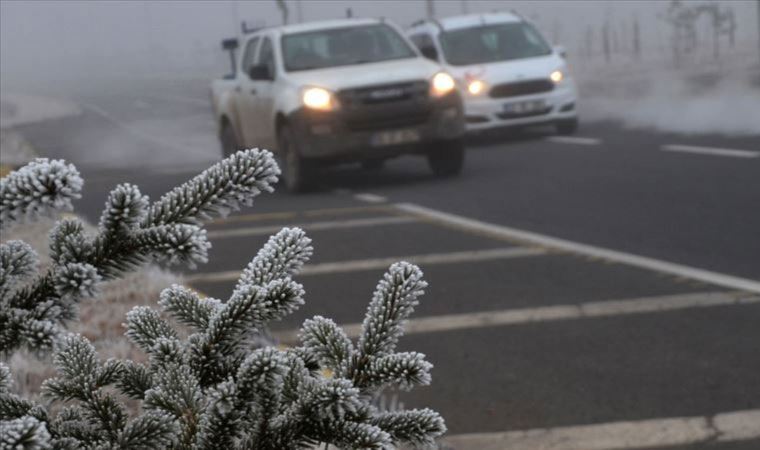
(338, 91)
(507, 72)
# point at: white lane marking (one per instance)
(711, 151)
(370, 198)
(588, 310)
(665, 432)
(644, 262)
(574, 140)
(314, 226)
(383, 263)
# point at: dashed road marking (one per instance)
(574, 140)
(665, 432)
(588, 310)
(383, 263)
(532, 238)
(733, 153)
(314, 226)
(370, 198)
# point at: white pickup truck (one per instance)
(352, 90)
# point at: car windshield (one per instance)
(343, 46)
(491, 43)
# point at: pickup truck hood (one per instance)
(382, 72)
(508, 71)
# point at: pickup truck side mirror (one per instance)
(230, 44)
(260, 72)
(429, 52)
(560, 50)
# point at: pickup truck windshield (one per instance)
(343, 47)
(491, 43)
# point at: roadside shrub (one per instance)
(212, 383)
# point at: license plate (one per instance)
(524, 107)
(394, 137)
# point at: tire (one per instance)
(567, 126)
(228, 140)
(295, 173)
(446, 158)
(373, 164)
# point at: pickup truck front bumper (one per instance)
(377, 132)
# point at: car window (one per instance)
(248, 55)
(490, 43)
(343, 46)
(266, 55)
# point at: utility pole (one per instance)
(758, 29)
(299, 11)
(430, 9)
(283, 7)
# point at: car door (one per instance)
(246, 95)
(264, 93)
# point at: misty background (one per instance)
(620, 51)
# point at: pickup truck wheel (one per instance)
(228, 140)
(446, 158)
(292, 164)
(373, 164)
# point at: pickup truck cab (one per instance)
(352, 90)
(508, 74)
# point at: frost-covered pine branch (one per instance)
(40, 187)
(216, 387)
(130, 233)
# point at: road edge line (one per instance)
(664, 432)
(630, 259)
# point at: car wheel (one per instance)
(292, 164)
(228, 140)
(568, 126)
(446, 158)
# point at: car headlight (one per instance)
(557, 76)
(476, 87)
(319, 98)
(441, 84)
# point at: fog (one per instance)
(66, 48)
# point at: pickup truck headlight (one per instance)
(441, 84)
(557, 76)
(319, 98)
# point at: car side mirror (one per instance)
(429, 52)
(560, 50)
(260, 72)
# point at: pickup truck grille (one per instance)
(383, 93)
(385, 106)
(521, 88)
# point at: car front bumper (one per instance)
(483, 113)
(344, 136)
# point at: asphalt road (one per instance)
(525, 332)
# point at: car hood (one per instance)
(382, 72)
(510, 71)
